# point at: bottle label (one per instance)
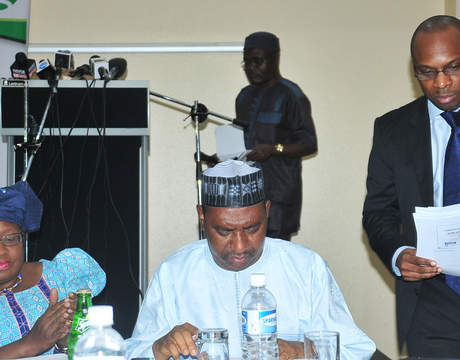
(259, 322)
(82, 325)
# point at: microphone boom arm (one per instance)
(194, 106)
(199, 112)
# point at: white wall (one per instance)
(352, 60)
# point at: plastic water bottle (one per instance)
(101, 340)
(259, 322)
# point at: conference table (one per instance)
(377, 356)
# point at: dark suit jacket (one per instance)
(400, 177)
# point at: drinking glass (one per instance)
(322, 345)
(212, 344)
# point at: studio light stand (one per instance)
(199, 114)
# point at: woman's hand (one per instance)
(55, 324)
(52, 327)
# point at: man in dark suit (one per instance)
(406, 169)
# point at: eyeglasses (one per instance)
(255, 61)
(433, 74)
(12, 239)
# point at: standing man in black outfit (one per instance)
(281, 131)
(406, 169)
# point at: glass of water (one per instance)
(212, 344)
(322, 345)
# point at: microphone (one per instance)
(80, 71)
(103, 72)
(46, 71)
(241, 123)
(96, 62)
(94, 57)
(22, 67)
(33, 130)
(117, 67)
(207, 158)
(64, 59)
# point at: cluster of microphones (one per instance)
(98, 67)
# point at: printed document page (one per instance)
(230, 143)
(438, 236)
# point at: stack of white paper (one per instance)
(438, 236)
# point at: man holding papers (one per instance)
(281, 130)
(411, 158)
(438, 237)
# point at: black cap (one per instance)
(262, 40)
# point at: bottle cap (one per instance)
(257, 279)
(83, 291)
(100, 315)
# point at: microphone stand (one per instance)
(32, 140)
(199, 113)
(36, 141)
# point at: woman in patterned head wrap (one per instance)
(37, 299)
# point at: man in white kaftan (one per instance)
(190, 287)
(204, 282)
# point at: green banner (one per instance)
(5, 6)
(14, 29)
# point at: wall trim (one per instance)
(138, 48)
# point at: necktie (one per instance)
(451, 188)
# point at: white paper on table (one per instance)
(438, 236)
(230, 143)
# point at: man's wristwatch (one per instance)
(279, 148)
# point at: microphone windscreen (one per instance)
(23, 68)
(118, 67)
(102, 72)
(21, 58)
(45, 70)
(96, 62)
